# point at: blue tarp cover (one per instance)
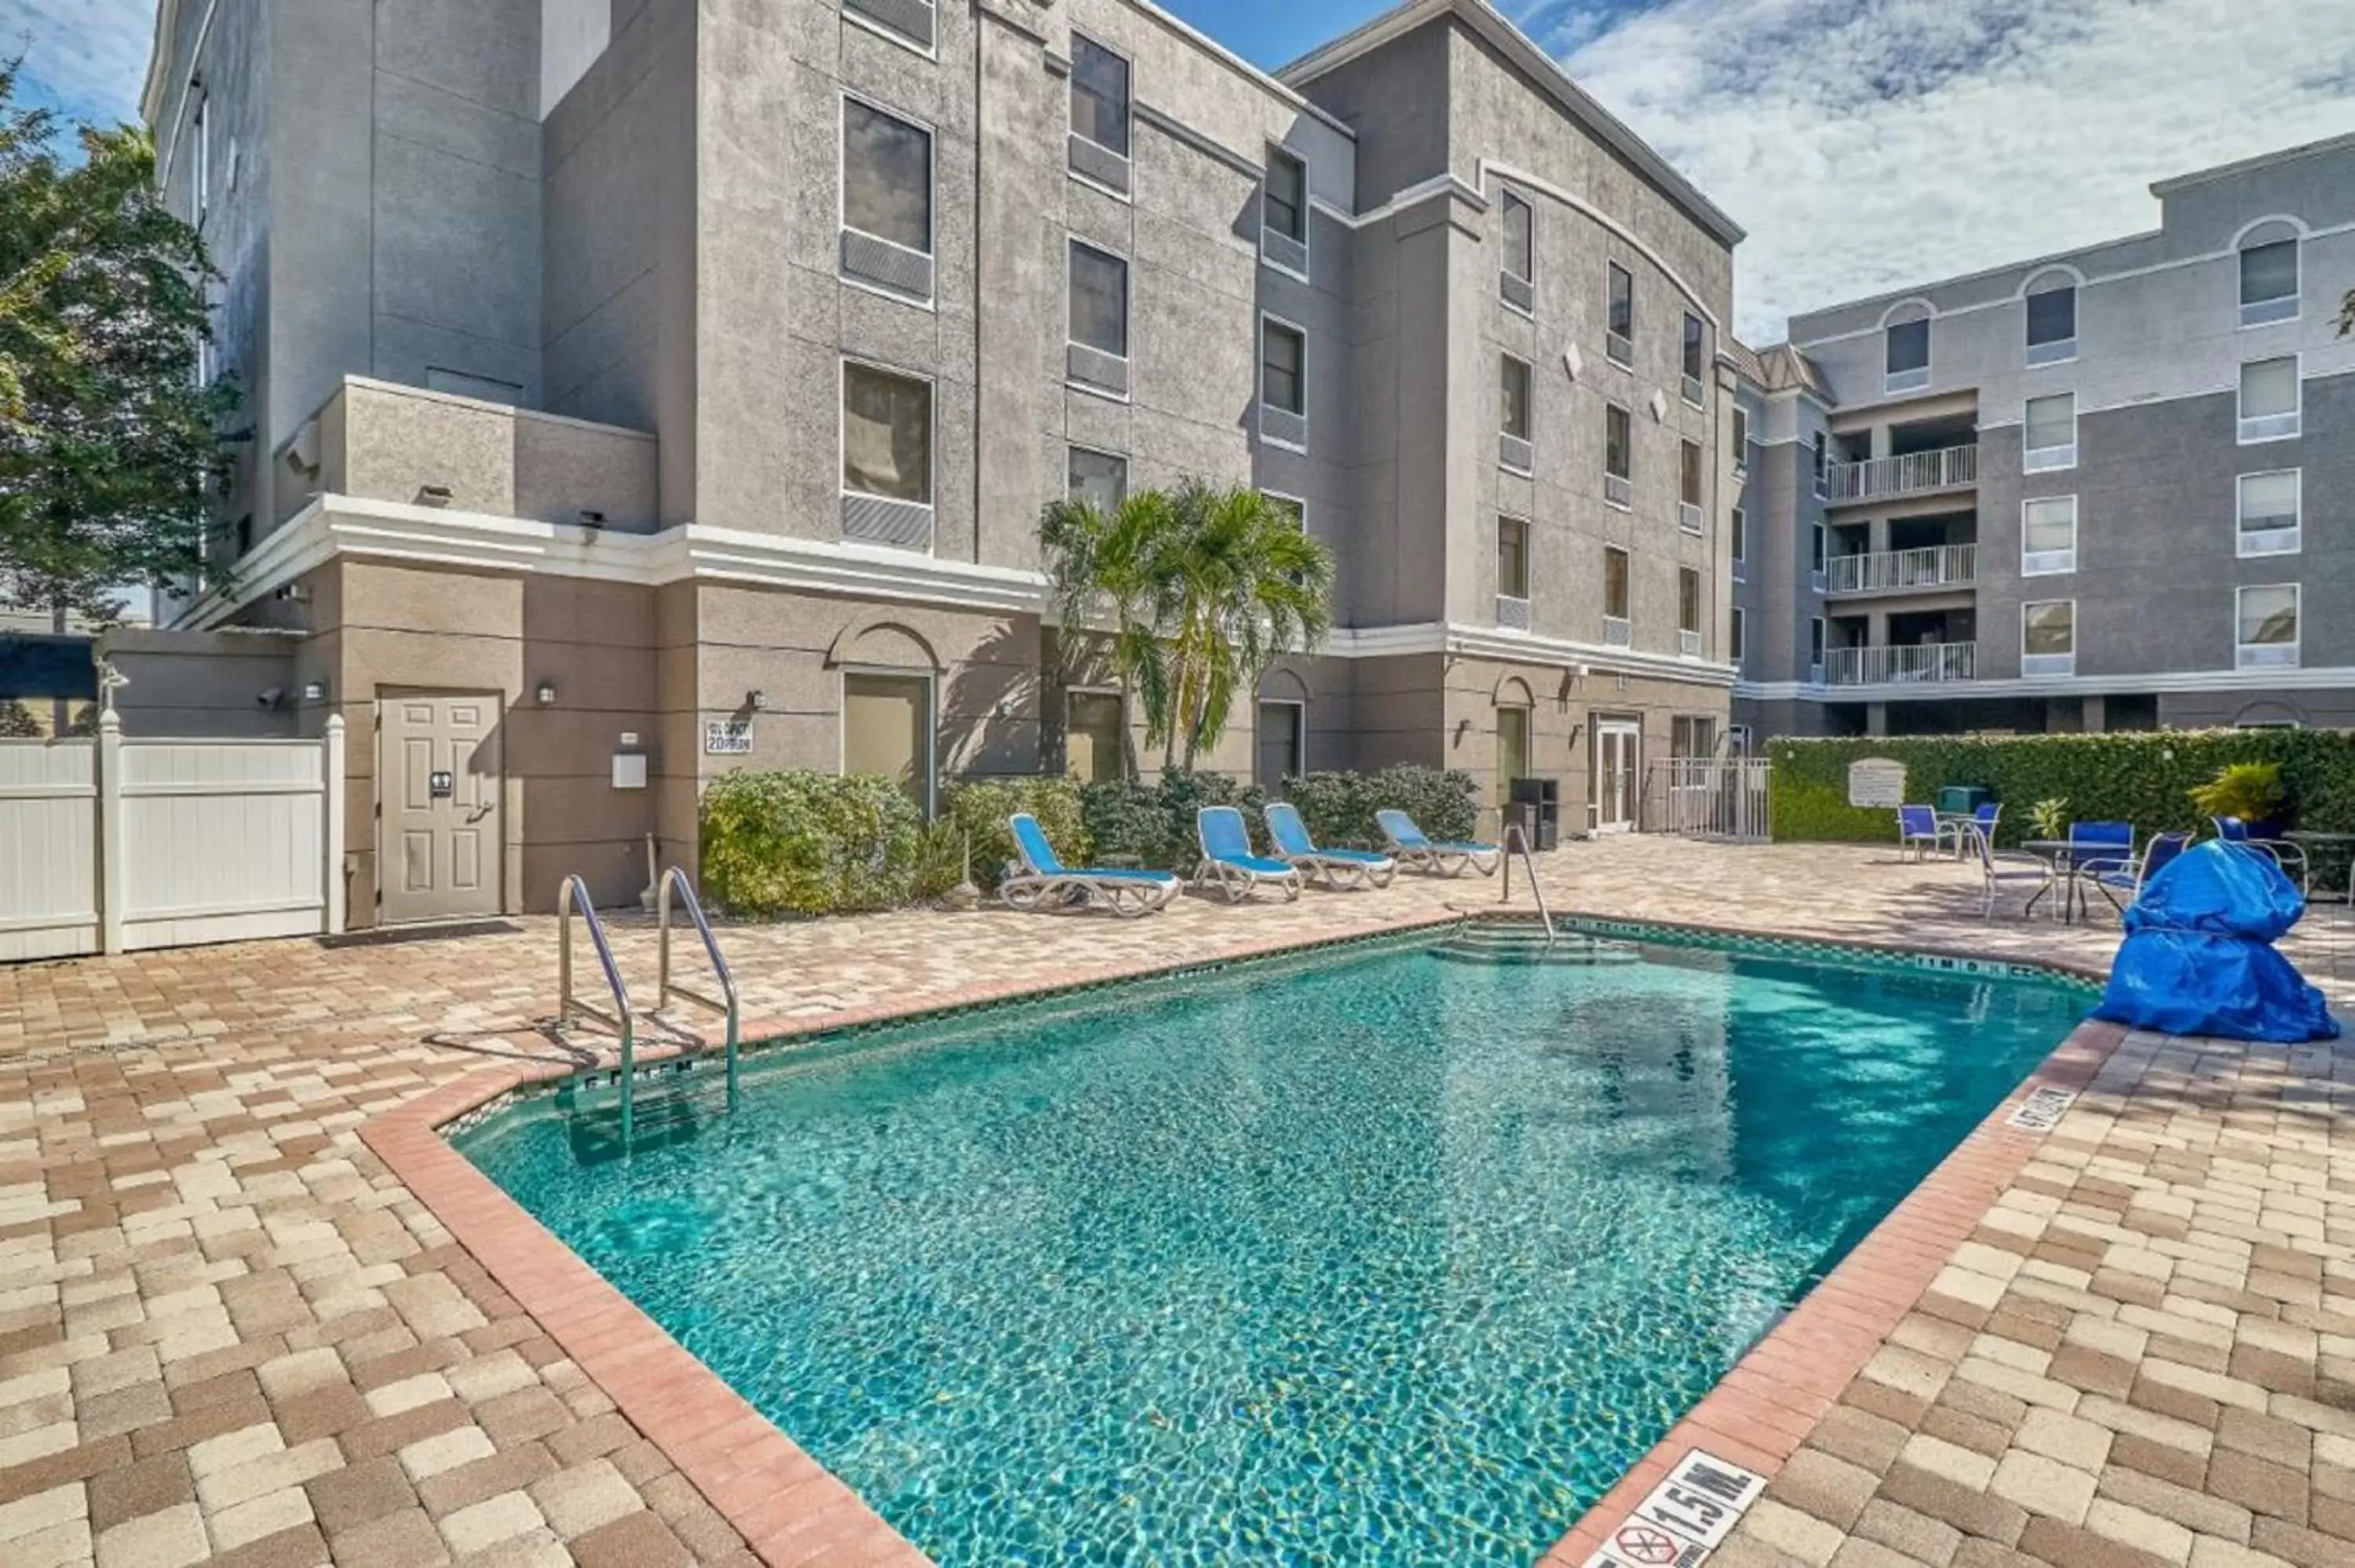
(2199, 956)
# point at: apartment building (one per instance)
(641, 389)
(2110, 489)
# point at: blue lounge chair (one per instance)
(1227, 862)
(1039, 881)
(1336, 868)
(1917, 830)
(1411, 849)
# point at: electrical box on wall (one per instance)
(629, 767)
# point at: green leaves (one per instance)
(2251, 791)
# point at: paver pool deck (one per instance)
(229, 1331)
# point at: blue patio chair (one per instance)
(2290, 857)
(1336, 868)
(2129, 877)
(1957, 829)
(1228, 862)
(1917, 830)
(1411, 849)
(2000, 869)
(1039, 881)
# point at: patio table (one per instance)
(2067, 855)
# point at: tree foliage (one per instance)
(108, 446)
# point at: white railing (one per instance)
(1902, 664)
(1879, 478)
(1707, 797)
(1933, 566)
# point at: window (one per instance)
(1688, 487)
(200, 173)
(1099, 479)
(887, 201)
(2267, 620)
(2269, 274)
(2268, 513)
(2049, 438)
(1513, 413)
(1692, 737)
(2048, 638)
(1283, 199)
(1615, 588)
(1619, 456)
(1820, 458)
(1907, 351)
(1816, 650)
(2269, 398)
(2052, 320)
(1283, 743)
(1619, 341)
(1513, 557)
(908, 21)
(1512, 749)
(1740, 440)
(1099, 302)
(1737, 642)
(1091, 737)
(1688, 612)
(2047, 536)
(1738, 540)
(1291, 506)
(887, 435)
(1815, 551)
(1696, 344)
(1520, 241)
(1283, 383)
(1099, 95)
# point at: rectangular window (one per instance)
(1513, 557)
(2047, 536)
(1688, 612)
(1692, 737)
(1619, 456)
(2053, 325)
(1512, 749)
(1099, 301)
(1695, 349)
(1907, 355)
(2050, 433)
(1738, 539)
(1740, 440)
(2267, 621)
(1816, 650)
(1099, 479)
(1284, 355)
(1099, 95)
(1513, 391)
(1291, 506)
(2269, 398)
(1688, 487)
(1737, 642)
(887, 435)
(1815, 551)
(2269, 283)
(1820, 460)
(2048, 638)
(887, 201)
(1521, 257)
(909, 22)
(2268, 513)
(1283, 200)
(1615, 582)
(1619, 341)
(201, 174)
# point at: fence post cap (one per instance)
(111, 722)
(335, 724)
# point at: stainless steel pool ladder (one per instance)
(666, 988)
(1517, 843)
(622, 1019)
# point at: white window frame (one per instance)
(2268, 655)
(2048, 563)
(1531, 281)
(1307, 218)
(1737, 540)
(2270, 427)
(1819, 460)
(2061, 350)
(200, 123)
(1627, 482)
(2048, 460)
(1690, 517)
(1819, 642)
(1528, 434)
(1127, 316)
(1691, 639)
(2270, 541)
(1627, 575)
(1259, 377)
(1128, 120)
(1738, 635)
(1072, 447)
(842, 430)
(1741, 444)
(1609, 336)
(1819, 558)
(2270, 313)
(1528, 551)
(2037, 666)
(864, 23)
(932, 195)
(1298, 503)
(1896, 381)
(1691, 385)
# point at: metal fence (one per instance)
(1707, 798)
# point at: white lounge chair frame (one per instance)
(1029, 887)
(1435, 858)
(1239, 878)
(1339, 870)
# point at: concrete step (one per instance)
(1500, 943)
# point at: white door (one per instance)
(438, 844)
(1615, 745)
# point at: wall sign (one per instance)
(1875, 782)
(441, 786)
(728, 737)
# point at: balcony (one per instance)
(1904, 571)
(1904, 665)
(1914, 474)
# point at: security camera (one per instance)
(270, 696)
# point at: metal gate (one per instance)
(1707, 798)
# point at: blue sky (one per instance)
(1864, 144)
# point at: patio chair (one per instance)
(1039, 881)
(1336, 868)
(2130, 876)
(2290, 857)
(2000, 869)
(1228, 862)
(1984, 820)
(1917, 830)
(1411, 849)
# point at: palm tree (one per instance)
(1242, 584)
(1100, 562)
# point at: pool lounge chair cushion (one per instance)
(1440, 857)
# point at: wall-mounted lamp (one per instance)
(547, 693)
(433, 496)
(293, 593)
(757, 700)
(591, 519)
(314, 691)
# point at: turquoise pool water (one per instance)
(1376, 1260)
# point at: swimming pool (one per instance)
(1372, 1259)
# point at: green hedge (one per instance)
(809, 843)
(1339, 807)
(2144, 778)
(1152, 823)
(979, 808)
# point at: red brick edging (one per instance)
(792, 1512)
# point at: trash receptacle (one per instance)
(1962, 799)
(1537, 807)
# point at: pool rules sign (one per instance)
(1686, 1517)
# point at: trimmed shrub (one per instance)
(2143, 777)
(809, 843)
(1152, 824)
(980, 807)
(1339, 807)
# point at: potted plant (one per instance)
(2251, 791)
(2049, 818)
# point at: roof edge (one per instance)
(2328, 144)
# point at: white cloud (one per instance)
(1869, 144)
(89, 56)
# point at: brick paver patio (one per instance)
(228, 1332)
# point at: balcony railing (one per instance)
(1915, 473)
(1934, 567)
(1901, 665)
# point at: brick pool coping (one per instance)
(792, 1510)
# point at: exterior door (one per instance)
(887, 729)
(440, 842)
(1614, 775)
(1092, 727)
(1280, 743)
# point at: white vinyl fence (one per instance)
(1707, 798)
(116, 845)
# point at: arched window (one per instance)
(2052, 317)
(1906, 331)
(2269, 273)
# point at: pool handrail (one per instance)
(666, 988)
(1518, 842)
(574, 898)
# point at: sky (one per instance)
(1865, 144)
